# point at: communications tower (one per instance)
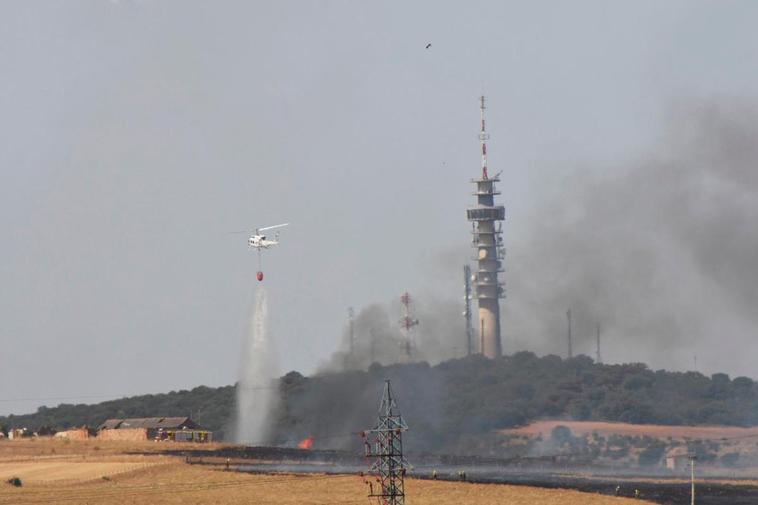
(487, 241)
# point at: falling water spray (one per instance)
(256, 393)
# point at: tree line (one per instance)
(447, 404)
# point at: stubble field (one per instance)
(87, 473)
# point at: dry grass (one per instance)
(45, 461)
(173, 482)
(43, 472)
(36, 447)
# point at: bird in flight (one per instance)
(429, 45)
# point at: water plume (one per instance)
(256, 395)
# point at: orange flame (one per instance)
(305, 443)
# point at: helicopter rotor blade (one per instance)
(272, 227)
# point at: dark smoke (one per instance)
(661, 250)
(378, 337)
(334, 407)
(344, 394)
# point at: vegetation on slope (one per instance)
(447, 404)
(453, 403)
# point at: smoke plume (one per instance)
(378, 337)
(659, 250)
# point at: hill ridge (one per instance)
(447, 403)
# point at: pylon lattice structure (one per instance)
(408, 324)
(389, 466)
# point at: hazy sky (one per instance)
(136, 134)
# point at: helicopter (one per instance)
(258, 241)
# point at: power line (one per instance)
(390, 465)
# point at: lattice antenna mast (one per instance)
(351, 329)
(408, 324)
(483, 137)
(467, 309)
(390, 465)
(598, 360)
(570, 342)
(372, 345)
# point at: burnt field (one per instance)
(665, 493)
(536, 472)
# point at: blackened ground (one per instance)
(665, 493)
(537, 472)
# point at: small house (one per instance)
(74, 434)
(178, 429)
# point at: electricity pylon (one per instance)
(389, 465)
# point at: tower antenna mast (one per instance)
(487, 241)
(483, 138)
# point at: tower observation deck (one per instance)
(487, 241)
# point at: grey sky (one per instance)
(137, 133)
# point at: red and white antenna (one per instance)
(407, 324)
(483, 137)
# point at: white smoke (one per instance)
(256, 393)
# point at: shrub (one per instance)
(651, 456)
(561, 434)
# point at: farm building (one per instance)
(677, 458)
(17, 433)
(178, 429)
(74, 433)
